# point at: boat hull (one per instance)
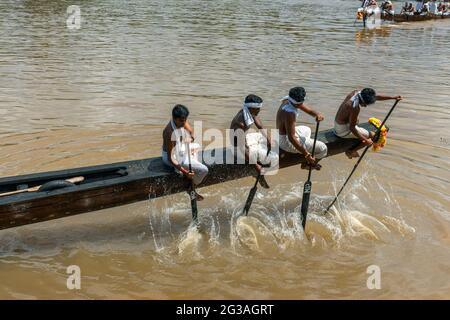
(412, 18)
(118, 184)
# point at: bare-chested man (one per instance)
(346, 121)
(177, 135)
(254, 145)
(297, 139)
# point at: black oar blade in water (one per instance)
(308, 184)
(192, 193)
(305, 201)
(194, 209)
(250, 197)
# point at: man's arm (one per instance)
(311, 112)
(382, 97)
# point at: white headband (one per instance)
(254, 105)
(361, 98)
(291, 100)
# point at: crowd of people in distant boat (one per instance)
(426, 7)
(421, 7)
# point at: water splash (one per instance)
(276, 229)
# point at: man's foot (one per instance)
(352, 154)
(263, 182)
(316, 166)
(198, 197)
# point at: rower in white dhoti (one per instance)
(297, 139)
(177, 136)
(253, 146)
(347, 118)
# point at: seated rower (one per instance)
(177, 136)
(372, 8)
(346, 121)
(255, 146)
(411, 9)
(297, 139)
(404, 8)
(388, 7)
(426, 7)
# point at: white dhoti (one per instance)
(257, 150)
(303, 135)
(199, 169)
(343, 131)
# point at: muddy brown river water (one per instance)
(103, 93)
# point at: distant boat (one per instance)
(413, 18)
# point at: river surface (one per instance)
(103, 93)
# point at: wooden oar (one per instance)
(192, 193)
(375, 138)
(308, 184)
(252, 193)
(34, 189)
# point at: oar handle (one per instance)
(76, 179)
(189, 156)
(314, 147)
(315, 138)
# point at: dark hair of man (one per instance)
(298, 94)
(251, 98)
(180, 111)
(369, 95)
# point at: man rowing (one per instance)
(255, 146)
(297, 139)
(388, 7)
(177, 142)
(347, 118)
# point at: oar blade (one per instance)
(305, 201)
(194, 209)
(249, 201)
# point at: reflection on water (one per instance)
(101, 94)
(366, 36)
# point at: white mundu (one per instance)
(257, 150)
(179, 153)
(303, 135)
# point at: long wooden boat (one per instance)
(412, 18)
(111, 185)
